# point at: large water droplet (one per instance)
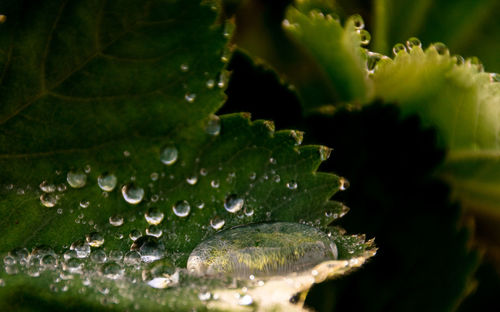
(181, 208)
(76, 179)
(107, 182)
(213, 125)
(169, 155)
(154, 216)
(149, 248)
(262, 250)
(132, 193)
(233, 203)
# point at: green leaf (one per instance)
(94, 88)
(467, 27)
(463, 105)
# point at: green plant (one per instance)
(108, 133)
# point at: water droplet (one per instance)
(115, 255)
(135, 234)
(298, 136)
(95, 239)
(184, 67)
(217, 223)
(276, 178)
(107, 182)
(132, 194)
(344, 184)
(210, 83)
(154, 230)
(98, 256)
(413, 42)
(76, 179)
(181, 208)
(203, 171)
(398, 48)
(213, 125)
(116, 220)
(47, 187)
(84, 203)
(372, 61)
(149, 248)
(364, 37)
(273, 161)
(161, 276)
(358, 21)
(20, 254)
(474, 61)
(81, 248)
(199, 204)
(192, 180)
(169, 155)
(248, 211)
(252, 176)
(9, 260)
(440, 48)
(324, 153)
(269, 124)
(61, 188)
(112, 270)
(48, 200)
(233, 203)
(154, 216)
(154, 176)
(190, 97)
(292, 185)
(262, 250)
(215, 183)
(132, 258)
(459, 59)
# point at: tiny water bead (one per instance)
(76, 179)
(184, 67)
(192, 180)
(98, 256)
(440, 48)
(265, 249)
(210, 83)
(48, 200)
(364, 37)
(154, 216)
(217, 223)
(154, 230)
(95, 239)
(181, 208)
(372, 60)
(132, 193)
(84, 203)
(135, 234)
(215, 183)
(116, 220)
(168, 155)
(413, 42)
(213, 125)
(398, 48)
(292, 185)
(344, 184)
(107, 182)
(190, 97)
(233, 203)
(358, 21)
(161, 276)
(47, 187)
(149, 247)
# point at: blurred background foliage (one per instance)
(432, 256)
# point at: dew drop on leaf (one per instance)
(81, 248)
(169, 155)
(264, 249)
(233, 203)
(48, 200)
(184, 67)
(134, 234)
(132, 193)
(217, 223)
(154, 230)
(210, 83)
(344, 184)
(398, 48)
(190, 97)
(213, 125)
(95, 239)
(116, 220)
(132, 258)
(47, 187)
(292, 185)
(358, 21)
(192, 180)
(154, 216)
(112, 270)
(181, 208)
(364, 37)
(413, 42)
(107, 182)
(149, 248)
(440, 48)
(76, 179)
